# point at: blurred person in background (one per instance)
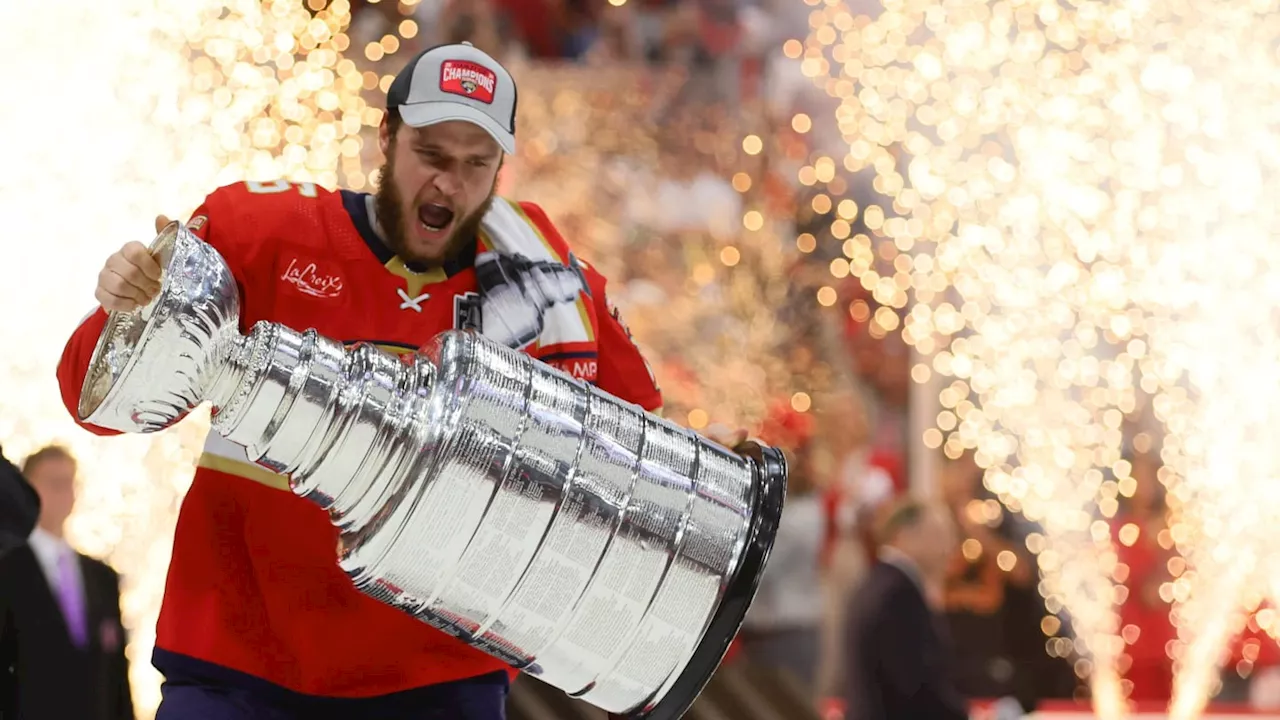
(994, 609)
(439, 22)
(19, 506)
(536, 25)
(19, 511)
(479, 22)
(899, 652)
(703, 37)
(857, 489)
(620, 38)
(781, 630)
(990, 596)
(579, 27)
(718, 60)
(62, 632)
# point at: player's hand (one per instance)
(732, 439)
(130, 278)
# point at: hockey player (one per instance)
(258, 621)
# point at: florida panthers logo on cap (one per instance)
(468, 80)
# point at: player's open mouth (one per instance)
(434, 217)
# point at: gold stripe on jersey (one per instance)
(486, 243)
(245, 470)
(414, 281)
(586, 319)
(391, 349)
(538, 231)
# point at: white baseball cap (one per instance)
(457, 82)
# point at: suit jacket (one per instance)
(898, 653)
(51, 678)
(19, 506)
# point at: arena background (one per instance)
(1013, 254)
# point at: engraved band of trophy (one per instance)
(600, 548)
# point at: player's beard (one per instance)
(389, 204)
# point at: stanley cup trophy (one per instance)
(600, 548)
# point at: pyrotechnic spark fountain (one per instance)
(1080, 202)
(117, 112)
(1211, 291)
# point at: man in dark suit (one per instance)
(19, 506)
(61, 631)
(897, 644)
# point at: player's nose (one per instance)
(447, 184)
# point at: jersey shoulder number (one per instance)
(274, 187)
(255, 205)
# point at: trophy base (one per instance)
(725, 624)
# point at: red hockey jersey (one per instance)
(254, 586)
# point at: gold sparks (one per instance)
(1077, 194)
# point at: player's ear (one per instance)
(384, 135)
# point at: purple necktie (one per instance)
(71, 599)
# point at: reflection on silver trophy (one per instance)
(609, 552)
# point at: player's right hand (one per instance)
(130, 277)
(732, 439)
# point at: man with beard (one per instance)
(258, 620)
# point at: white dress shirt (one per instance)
(48, 551)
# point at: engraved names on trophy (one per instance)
(708, 552)
(523, 507)
(584, 633)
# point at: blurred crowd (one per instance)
(725, 36)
